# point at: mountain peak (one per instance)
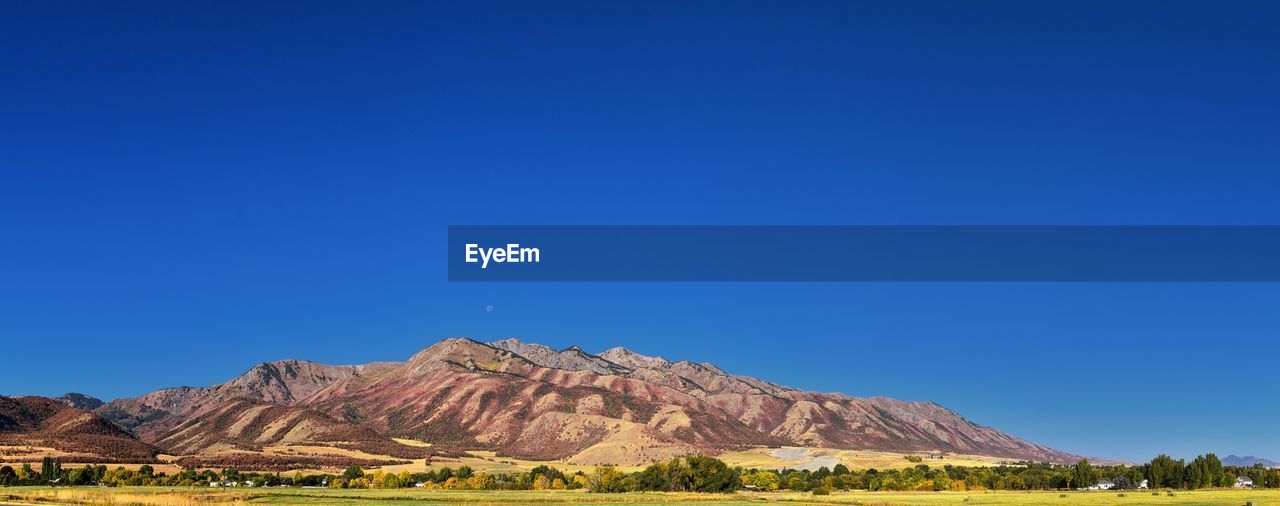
(81, 401)
(628, 358)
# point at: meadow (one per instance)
(166, 496)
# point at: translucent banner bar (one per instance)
(864, 253)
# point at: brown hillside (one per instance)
(282, 382)
(85, 436)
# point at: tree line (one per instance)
(689, 474)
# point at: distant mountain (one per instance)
(531, 401)
(81, 401)
(1249, 461)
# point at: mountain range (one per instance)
(1249, 461)
(521, 400)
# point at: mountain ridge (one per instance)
(1249, 461)
(532, 401)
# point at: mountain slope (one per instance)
(531, 401)
(245, 425)
(50, 423)
(283, 382)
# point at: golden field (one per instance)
(163, 496)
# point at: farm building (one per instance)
(1102, 485)
(1243, 482)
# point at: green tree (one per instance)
(605, 479)
(767, 481)
(1214, 469)
(709, 474)
(1163, 471)
(352, 473)
(1083, 475)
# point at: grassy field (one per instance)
(763, 458)
(157, 496)
(490, 462)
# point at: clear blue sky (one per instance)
(189, 188)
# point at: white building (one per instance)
(1143, 485)
(1243, 482)
(1102, 485)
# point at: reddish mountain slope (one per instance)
(245, 425)
(44, 422)
(528, 400)
(282, 382)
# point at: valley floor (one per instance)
(164, 496)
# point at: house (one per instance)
(1102, 485)
(1143, 485)
(419, 485)
(1243, 482)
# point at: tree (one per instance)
(710, 474)
(1083, 475)
(46, 469)
(767, 481)
(352, 473)
(1214, 469)
(605, 479)
(1163, 471)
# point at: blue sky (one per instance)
(187, 189)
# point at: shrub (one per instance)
(821, 491)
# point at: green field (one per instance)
(163, 496)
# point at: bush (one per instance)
(821, 491)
